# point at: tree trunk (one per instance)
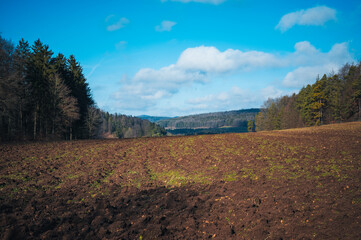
(45, 128)
(71, 134)
(34, 130)
(320, 112)
(35, 120)
(21, 122)
(9, 128)
(53, 126)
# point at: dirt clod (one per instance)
(293, 184)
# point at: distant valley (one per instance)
(207, 123)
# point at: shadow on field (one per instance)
(130, 214)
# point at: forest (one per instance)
(46, 97)
(123, 126)
(331, 99)
(235, 119)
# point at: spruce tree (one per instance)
(21, 63)
(39, 73)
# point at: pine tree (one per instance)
(8, 88)
(304, 101)
(21, 62)
(79, 89)
(39, 73)
(333, 112)
(319, 99)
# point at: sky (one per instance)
(182, 57)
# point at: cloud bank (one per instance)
(316, 16)
(203, 64)
(235, 98)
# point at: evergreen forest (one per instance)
(45, 96)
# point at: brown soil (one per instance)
(293, 184)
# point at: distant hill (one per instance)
(152, 119)
(235, 121)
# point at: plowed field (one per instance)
(293, 184)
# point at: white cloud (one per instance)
(222, 100)
(271, 92)
(310, 62)
(215, 2)
(235, 98)
(157, 95)
(114, 23)
(210, 59)
(193, 66)
(305, 47)
(306, 54)
(302, 76)
(316, 16)
(165, 26)
(168, 75)
(149, 87)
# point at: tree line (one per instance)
(45, 97)
(123, 126)
(332, 99)
(42, 96)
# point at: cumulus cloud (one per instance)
(165, 26)
(316, 16)
(210, 59)
(270, 92)
(307, 54)
(201, 64)
(168, 75)
(235, 98)
(215, 2)
(302, 76)
(194, 65)
(311, 62)
(149, 85)
(226, 100)
(115, 23)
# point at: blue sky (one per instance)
(180, 57)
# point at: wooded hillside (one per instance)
(331, 99)
(237, 118)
